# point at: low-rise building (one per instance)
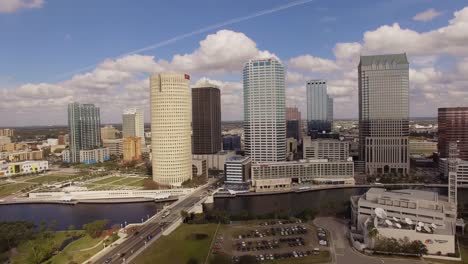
(21, 155)
(199, 168)
(115, 146)
(4, 140)
(419, 206)
(273, 185)
(23, 167)
(422, 147)
(303, 171)
(415, 214)
(237, 173)
(462, 169)
(13, 147)
(91, 156)
(215, 161)
(321, 148)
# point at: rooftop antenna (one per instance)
(452, 175)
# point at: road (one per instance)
(343, 253)
(154, 228)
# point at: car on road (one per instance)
(108, 260)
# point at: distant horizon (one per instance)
(146, 123)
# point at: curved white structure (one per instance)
(171, 117)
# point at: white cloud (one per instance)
(438, 74)
(11, 6)
(309, 63)
(224, 51)
(427, 15)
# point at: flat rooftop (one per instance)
(409, 194)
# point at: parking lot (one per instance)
(272, 240)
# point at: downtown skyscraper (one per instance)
(171, 117)
(84, 124)
(264, 110)
(133, 124)
(384, 113)
(206, 119)
(319, 107)
(453, 128)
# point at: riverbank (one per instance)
(312, 188)
(89, 201)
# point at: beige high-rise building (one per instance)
(109, 132)
(171, 117)
(7, 132)
(131, 148)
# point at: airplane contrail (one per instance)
(198, 31)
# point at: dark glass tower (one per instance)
(206, 119)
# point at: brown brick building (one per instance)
(453, 127)
(206, 119)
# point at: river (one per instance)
(79, 214)
(327, 202)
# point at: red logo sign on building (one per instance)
(187, 77)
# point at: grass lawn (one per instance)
(108, 180)
(179, 246)
(9, 189)
(51, 178)
(76, 251)
(137, 183)
(127, 181)
(23, 249)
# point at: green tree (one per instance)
(184, 214)
(12, 233)
(95, 228)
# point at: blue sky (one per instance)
(39, 44)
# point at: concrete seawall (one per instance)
(332, 187)
(90, 201)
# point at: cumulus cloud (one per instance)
(438, 74)
(441, 85)
(427, 15)
(309, 63)
(11, 6)
(225, 51)
(118, 83)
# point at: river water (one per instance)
(327, 202)
(79, 214)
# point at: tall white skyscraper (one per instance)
(133, 124)
(384, 113)
(264, 110)
(171, 117)
(319, 107)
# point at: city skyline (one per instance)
(436, 74)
